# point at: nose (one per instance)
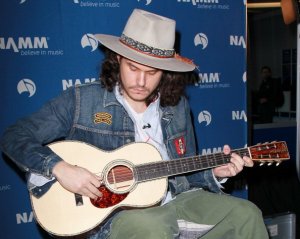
(141, 80)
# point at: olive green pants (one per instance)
(232, 218)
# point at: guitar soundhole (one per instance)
(119, 180)
(120, 176)
(108, 198)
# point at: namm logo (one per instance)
(24, 217)
(204, 117)
(26, 86)
(97, 3)
(211, 150)
(209, 80)
(147, 2)
(23, 43)
(206, 4)
(237, 41)
(66, 83)
(89, 40)
(209, 77)
(6, 187)
(195, 2)
(201, 39)
(239, 115)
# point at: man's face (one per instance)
(138, 81)
(265, 73)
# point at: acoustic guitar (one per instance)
(134, 176)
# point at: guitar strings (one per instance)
(149, 170)
(167, 168)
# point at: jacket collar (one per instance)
(109, 99)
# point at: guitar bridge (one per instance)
(78, 199)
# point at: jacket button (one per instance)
(128, 140)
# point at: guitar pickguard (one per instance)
(108, 198)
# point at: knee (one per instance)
(247, 209)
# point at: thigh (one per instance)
(205, 207)
(232, 217)
(150, 223)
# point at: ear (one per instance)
(119, 58)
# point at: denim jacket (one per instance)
(74, 114)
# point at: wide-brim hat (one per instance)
(148, 39)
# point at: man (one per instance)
(269, 95)
(141, 99)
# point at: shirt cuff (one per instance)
(38, 180)
(219, 181)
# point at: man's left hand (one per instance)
(236, 165)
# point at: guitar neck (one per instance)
(166, 168)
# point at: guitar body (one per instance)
(62, 213)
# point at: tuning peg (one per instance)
(262, 163)
(270, 163)
(278, 163)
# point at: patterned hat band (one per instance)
(152, 51)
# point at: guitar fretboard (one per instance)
(166, 168)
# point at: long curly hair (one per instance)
(171, 87)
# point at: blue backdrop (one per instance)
(47, 46)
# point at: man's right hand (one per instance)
(77, 179)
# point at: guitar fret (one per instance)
(198, 163)
(149, 171)
(179, 166)
(213, 163)
(204, 163)
(175, 167)
(192, 166)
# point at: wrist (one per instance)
(58, 168)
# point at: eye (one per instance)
(152, 72)
(132, 67)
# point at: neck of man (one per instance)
(137, 106)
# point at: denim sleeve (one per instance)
(204, 179)
(25, 142)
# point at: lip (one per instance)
(139, 91)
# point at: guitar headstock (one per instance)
(269, 152)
